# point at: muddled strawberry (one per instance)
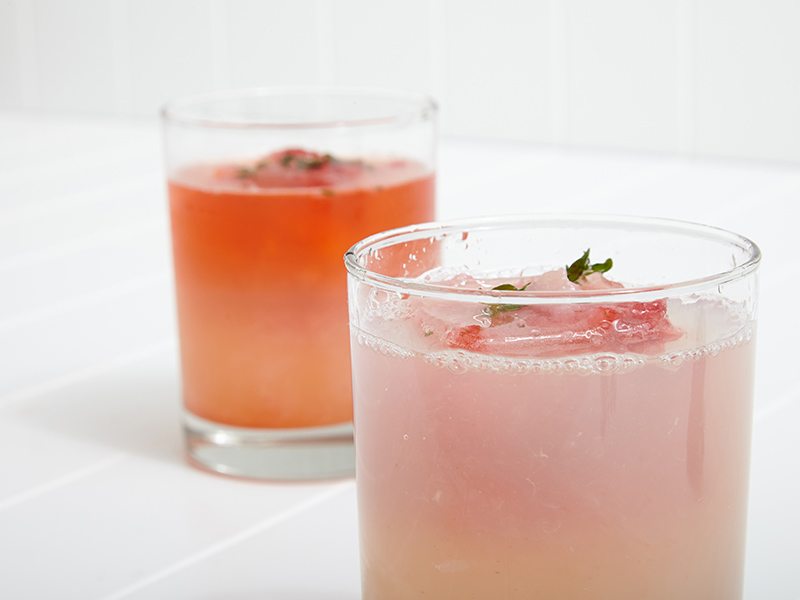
(550, 330)
(559, 329)
(294, 168)
(468, 338)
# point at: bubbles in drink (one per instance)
(724, 327)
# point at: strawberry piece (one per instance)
(295, 168)
(561, 329)
(552, 330)
(466, 338)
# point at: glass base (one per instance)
(276, 454)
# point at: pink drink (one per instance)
(560, 451)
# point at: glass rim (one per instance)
(629, 294)
(422, 107)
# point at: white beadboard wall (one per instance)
(707, 77)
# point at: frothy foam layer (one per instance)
(611, 336)
(675, 359)
(273, 175)
(382, 346)
(462, 361)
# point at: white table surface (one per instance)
(95, 499)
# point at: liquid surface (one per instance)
(296, 171)
(627, 333)
(562, 451)
(260, 285)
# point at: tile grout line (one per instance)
(124, 232)
(229, 542)
(58, 482)
(94, 297)
(65, 203)
(87, 373)
(67, 380)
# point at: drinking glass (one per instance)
(267, 189)
(533, 420)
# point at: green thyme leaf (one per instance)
(310, 164)
(576, 270)
(495, 309)
(603, 266)
(307, 163)
(245, 173)
(583, 267)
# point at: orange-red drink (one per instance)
(267, 190)
(260, 286)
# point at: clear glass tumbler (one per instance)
(267, 189)
(534, 419)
